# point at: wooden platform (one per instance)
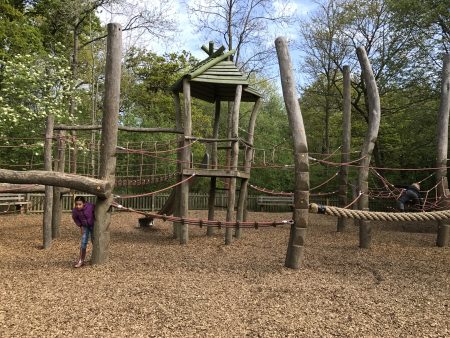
(216, 173)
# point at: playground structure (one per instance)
(216, 80)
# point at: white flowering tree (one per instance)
(31, 88)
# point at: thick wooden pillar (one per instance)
(48, 202)
(57, 196)
(186, 157)
(233, 162)
(247, 166)
(346, 145)
(443, 234)
(295, 251)
(373, 98)
(214, 162)
(179, 125)
(108, 144)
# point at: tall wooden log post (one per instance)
(48, 202)
(214, 163)
(179, 125)
(242, 202)
(442, 149)
(346, 145)
(186, 157)
(295, 250)
(365, 228)
(233, 162)
(108, 141)
(57, 192)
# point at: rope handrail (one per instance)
(349, 164)
(157, 191)
(143, 152)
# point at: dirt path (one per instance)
(154, 287)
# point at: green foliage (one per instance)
(18, 34)
(33, 87)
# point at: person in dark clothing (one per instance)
(83, 216)
(410, 195)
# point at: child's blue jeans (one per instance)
(85, 236)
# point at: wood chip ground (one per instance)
(153, 287)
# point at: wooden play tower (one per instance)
(215, 79)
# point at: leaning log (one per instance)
(88, 185)
(295, 251)
(374, 109)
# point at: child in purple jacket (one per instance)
(83, 216)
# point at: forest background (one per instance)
(52, 56)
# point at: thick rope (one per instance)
(379, 216)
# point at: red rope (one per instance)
(202, 222)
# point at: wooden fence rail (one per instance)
(197, 201)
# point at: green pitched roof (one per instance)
(216, 77)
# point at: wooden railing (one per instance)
(197, 201)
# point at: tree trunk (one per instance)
(365, 228)
(177, 193)
(57, 195)
(295, 251)
(48, 202)
(110, 121)
(442, 149)
(247, 166)
(233, 162)
(346, 146)
(212, 189)
(186, 157)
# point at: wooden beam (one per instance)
(25, 188)
(121, 128)
(48, 201)
(233, 162)
(346, 144)
(108, 143)
(295, 251)
(214, 162)
(442, 148)
(215, 173)
(179, 125)
(88, 185)
(185, 157)
(57, 192)
(242, 201)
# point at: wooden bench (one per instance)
(18, 201)
(262, 201)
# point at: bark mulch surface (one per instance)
(154, 287)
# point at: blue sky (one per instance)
(186, 39)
